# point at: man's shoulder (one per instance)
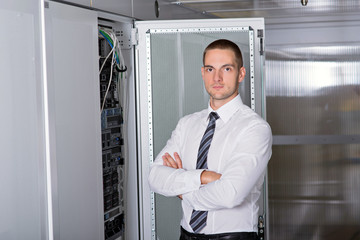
(246, 114)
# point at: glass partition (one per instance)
(313, 99)
(314, 192)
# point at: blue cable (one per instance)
(117, 59)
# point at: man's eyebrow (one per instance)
(228, 65)
(225, 65)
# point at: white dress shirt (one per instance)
(240, 151)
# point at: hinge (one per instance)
(260, 34)
(261, 228)
(46, 4)
(134, 36)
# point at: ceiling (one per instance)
(268, 8)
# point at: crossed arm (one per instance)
(205, 177)
(242, 170)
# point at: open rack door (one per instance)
(169, 86)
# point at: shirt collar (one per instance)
(226, 111)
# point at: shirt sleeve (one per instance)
(168, 181)
(243, 172)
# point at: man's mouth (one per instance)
(217, 87)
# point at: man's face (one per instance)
(221, 76)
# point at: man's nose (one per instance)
(217, 76)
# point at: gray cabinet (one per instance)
(23, 199)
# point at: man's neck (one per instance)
(216, 104)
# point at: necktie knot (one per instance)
(213, 116)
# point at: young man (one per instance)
(215, 162)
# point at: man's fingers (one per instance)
(169, 161)
(178, 160)
(165, 161)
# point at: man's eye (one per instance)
(209, 69)
(227, 69)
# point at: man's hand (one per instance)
(171, 162)
(209, 176)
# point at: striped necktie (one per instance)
(198, 218)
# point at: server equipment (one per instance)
(112, 71)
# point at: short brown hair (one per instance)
(225, 44)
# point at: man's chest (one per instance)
(222, 145)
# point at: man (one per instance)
(218, 176)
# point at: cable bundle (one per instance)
(117, 59)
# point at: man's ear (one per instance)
(242, 73)
(202, 72)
